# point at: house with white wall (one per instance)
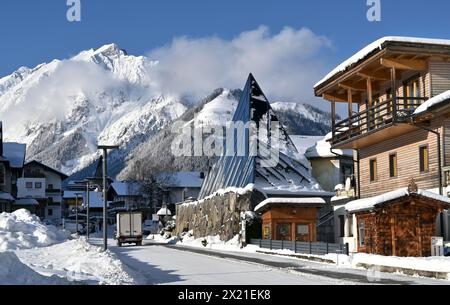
(43, 184)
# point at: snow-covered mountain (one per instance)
(62, 109)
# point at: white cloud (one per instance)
(286, 64)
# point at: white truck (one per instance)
(129, 228)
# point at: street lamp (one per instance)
(105, 149)
(76, 210)
(89, 186)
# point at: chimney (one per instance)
(1, 138)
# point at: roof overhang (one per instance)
(374, 62)
(307, 202)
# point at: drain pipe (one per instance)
(441, 184)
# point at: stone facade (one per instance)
(218, 215)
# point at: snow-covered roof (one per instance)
(322, 149)
(164, 212)
(302, 143)
(6, 196)
(181, 179)
(374, 46)
(306, 202)
(370, 203)
(15, 154)
(127, 188)
(26, 202)
(438, 99)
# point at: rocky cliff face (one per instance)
(219, 215)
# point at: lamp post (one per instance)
(105, 149)
(76, 210)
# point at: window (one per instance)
(50, 186)
(38, 185)
(29, 185)
(393, 169)
(424, 159)
(362, 234)
(50, 212)
(373, 170)
(412, 91)
(302, 230)
(341, 226)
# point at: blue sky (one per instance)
(32, 32)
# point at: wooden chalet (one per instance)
(396, 92)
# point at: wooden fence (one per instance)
(314, 248)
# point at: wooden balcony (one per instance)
(376, 123)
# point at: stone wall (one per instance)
(218, 215)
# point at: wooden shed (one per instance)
(292, 219)
(399, 223)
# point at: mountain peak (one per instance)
(110, 50)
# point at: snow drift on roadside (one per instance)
(22, 230)
(79, 261)
(14, 272)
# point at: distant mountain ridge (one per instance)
(62, 109)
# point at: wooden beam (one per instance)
(379, 75)
(342, 98)
(404, 64)
(352, 86)
(369, 92)
(350, 106)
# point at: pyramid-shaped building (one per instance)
(289, 176)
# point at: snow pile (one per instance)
(443, 97)
(434, 264)
(210, 242)
(14, 272)
(22, 230)
(79, 261)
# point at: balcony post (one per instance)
(394, 94)
(350, 112)
(333, 118)
(369, 103)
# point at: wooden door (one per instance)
(407, 238)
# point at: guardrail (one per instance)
(314, 248)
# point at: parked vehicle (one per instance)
(129, 228)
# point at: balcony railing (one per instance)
(380, 116)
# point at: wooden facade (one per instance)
(386, 87)
(403, 227)
(291, 223)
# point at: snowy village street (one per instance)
(162, 264)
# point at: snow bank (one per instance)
(78, 261)
(434, 264)
(438, 99)
(212, 242)
(14, 272)
(23, 230)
